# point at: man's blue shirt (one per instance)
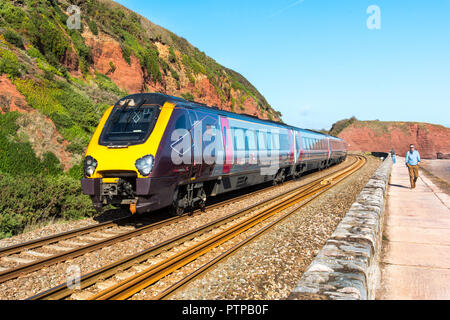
(412, 158)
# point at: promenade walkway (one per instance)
(415, 262)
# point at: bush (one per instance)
(151, 64)
(126, 54)
(92, 26)
(35, 53)
(9, 64)
(172, 56)
(38, 199)
(76, 172)
(188, 96)
(105, 83)
(40, 95)
(73, 113)
(339, 126)
(44, 66)
(11, 14)
(51, 164)
(16, 157)
(84, 52)
(14, 38)
(46, 36)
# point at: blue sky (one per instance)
(317, 62)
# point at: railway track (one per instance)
(124, 278)
(68, 245)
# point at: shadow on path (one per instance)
(398, 186)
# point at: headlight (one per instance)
(145, 165)
(90, 164)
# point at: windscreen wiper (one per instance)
(125, 106)
(137, 108)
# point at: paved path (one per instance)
(416, 246)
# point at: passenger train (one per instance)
(152, 151)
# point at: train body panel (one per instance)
(152, 151)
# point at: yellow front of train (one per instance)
(120, 156)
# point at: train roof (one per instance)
(161, 99)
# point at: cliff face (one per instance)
(62, 80)
(432, 141)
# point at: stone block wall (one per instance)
(347, 267)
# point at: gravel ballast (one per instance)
(46, 278)
(270, 267)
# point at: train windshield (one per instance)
(129, 126)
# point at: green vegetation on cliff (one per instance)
(34, 190)
(339, 126)
(53, 68)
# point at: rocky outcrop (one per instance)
(429, 139)
(108, 60)
(10, 98)
(40, 131)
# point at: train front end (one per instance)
(121, 155)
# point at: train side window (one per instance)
(225, 133)
(269, 141)
(250, 140)
(239, 145)
(284, 143)
(298, 142)
(181, 122)
(239, 139)
(276, 141)
(261, 140)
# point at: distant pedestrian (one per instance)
(394, 159)
(412, 162)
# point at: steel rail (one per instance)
(195, 274)
(70, 254)
(142, 280)
(61, 291)
(128, 287)
(33, 244)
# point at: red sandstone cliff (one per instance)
(429, 139)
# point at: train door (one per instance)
(292, 151)
(197, 147)
(228, 144)
(291, 147)
(178, 152)
(299, 147)
(329, 149)
(209, 125)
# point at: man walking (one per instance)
(412, 162)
